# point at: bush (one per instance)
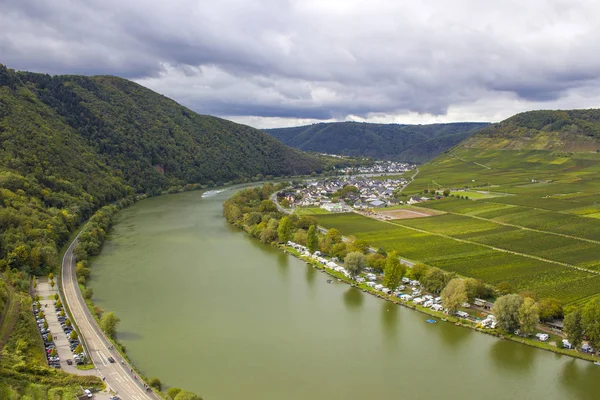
(173, 392)
(155, 383)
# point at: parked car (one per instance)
(112, 360)
(70, 362)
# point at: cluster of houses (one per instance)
(369, 193)
(381, 167)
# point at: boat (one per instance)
(431, 321)
(329, 281)
(211, 193)
(597, 363)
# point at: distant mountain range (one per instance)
(410, 143)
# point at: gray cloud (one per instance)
(320, 59)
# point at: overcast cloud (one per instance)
(287, 62)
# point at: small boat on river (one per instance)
(431, 321)
(211, 193)
(597, 363)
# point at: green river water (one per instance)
(207, 308)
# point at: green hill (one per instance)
(566, 130)
(533, 184)
(410, 143)
(71, 144)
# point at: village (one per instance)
(381, 167)
(339, 195)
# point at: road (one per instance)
(120, 377)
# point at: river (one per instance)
(207, 308)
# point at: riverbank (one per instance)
(465, 323)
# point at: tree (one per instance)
(73, 335)
(267, 206)
(52, 283)
(529, 316)
(45, 324)
(108, 323)
(454, 294)
(155, 383)
(78, 349)
(590, 320)
(550, 309)
(382, 251)
(300, 237)
(312, 240)
(306, 221)
(359, 245)
(417, 271)
(285, 230)
(53, 352)
(68, 322)
(185, 395)
(172, 392)
(50, 276)
(354, 263)
(56, 297)
(376, 261)
(332, 237)
(434, 280)
(506, 310)
(87, 293)
(61, 313)
(339, 250)
(477, 288)
(58, 303)
(393, 271)
(573, 327)
(446, 192)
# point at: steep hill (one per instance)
(70, 144)
(565, 130)
(412, 143)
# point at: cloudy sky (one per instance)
(272, 63)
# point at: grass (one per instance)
(310, 211)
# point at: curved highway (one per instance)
(119, 376)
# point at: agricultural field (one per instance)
(538, 229)
(310, 211)
(438, 248)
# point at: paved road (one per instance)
(118, 375)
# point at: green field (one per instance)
(538, 229)
(310, 211)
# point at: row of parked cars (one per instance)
(49, 346)
(73, 343)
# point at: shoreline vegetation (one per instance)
(517, 316)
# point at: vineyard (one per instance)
(538, 229)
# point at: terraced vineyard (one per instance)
(532, 218)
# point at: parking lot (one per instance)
(57, 338)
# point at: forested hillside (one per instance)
(411, 143)
(70, 144)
